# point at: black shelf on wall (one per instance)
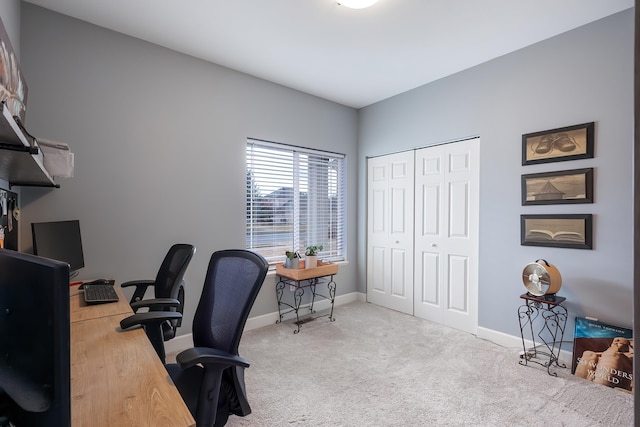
(21, 163)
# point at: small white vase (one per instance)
(311, 261)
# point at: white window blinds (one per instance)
(295, 199)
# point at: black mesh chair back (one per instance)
(168, 289)
(233, 281)
(172, 270)
(168, 283)
(210, 376)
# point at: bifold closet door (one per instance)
(390, 231)
(446, 234)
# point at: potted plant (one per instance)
(311, 256)
(293, 260)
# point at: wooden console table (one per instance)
(298, 280)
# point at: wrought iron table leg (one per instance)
(332, 296)
(554, 317)
(279, 291)
(525, 314)
(312, 285)
(297, 297)
(555, 320)
(298, 288)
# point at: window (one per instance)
(295, 199)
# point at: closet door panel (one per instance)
(449, 229)
(390, 225)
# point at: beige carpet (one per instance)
(378, 367)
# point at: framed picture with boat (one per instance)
(555, 188)
(556, 145)
(559, 231)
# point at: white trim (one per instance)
(419, 147)
(179, 343)
(515, 342)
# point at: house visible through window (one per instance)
(295, 199)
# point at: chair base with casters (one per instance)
(218, 371)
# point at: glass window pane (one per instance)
(295, 199)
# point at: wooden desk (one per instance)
(80, 310)
(117, 378)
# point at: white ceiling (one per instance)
(353, 57)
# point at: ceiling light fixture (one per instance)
(357, 4)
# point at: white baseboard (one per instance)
(179, 343)
(511, 341)
(185, 341)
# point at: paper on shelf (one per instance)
(58, 158)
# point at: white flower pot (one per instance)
(311, 261)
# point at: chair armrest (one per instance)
(141, 288)
(149, 318)
(155, 302)
(137, 283)
(205, 356)
(152, 322)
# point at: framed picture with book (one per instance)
(603, 353)
(558, 231)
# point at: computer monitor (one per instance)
(59, 240)
(35, 379)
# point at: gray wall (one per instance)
(159, 139)
(581, 76)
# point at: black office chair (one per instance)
(210, 376)
(168, 288)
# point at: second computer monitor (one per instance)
(59, 240)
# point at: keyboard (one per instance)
(96, 294)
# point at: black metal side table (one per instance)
(550, 332)
(299, 280)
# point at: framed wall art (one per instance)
(559, 231)
(13, 88)
(556, 188)
(556, 145)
